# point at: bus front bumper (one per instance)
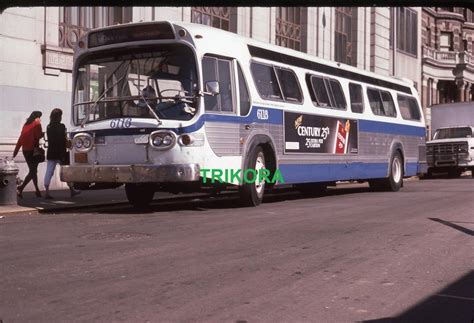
(130, 173)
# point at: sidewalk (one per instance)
(62, 201)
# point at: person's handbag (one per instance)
(39, 154)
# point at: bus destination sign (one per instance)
(124, 34)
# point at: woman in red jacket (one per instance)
(29, 139)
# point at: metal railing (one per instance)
(451, 57)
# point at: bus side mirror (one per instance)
(212, 87)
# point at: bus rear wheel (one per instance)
(251, 191)
(139, 195)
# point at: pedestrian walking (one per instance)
(31, 133)
(57, 153)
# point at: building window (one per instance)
(75, 21)
(288, 27)
(446, 41)
(345, 41)
(218, 17)
(428, 37)
(449, 9)
(468, 16)
(407, 30)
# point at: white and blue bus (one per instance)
(170, 106)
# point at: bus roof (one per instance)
(228, 41)
(229, 37)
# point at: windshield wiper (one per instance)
(148, 105)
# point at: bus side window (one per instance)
(388, 104)
(320, 91)
(357, 103)
(414, 109)
(225, 85)
(289, 85)
(209, 74)
(266, 81)
(338, 94)
(408, 108)
(375, 102)
(243, 93)
(217, 69)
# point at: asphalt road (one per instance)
(351, 255)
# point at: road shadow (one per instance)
(455, 303)
(457, 227)
(227, 200)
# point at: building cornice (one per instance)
(444, 14)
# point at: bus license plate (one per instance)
(141, 139)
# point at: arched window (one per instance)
(288, 27)
(218, 17)
(75, 21)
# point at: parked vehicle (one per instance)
(451, 149)
(169, 106)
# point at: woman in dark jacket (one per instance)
(57, 153)
(30, 135)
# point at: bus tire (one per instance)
(251, 194)
(395, 178)
(139, 195)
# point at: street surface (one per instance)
(351, 255)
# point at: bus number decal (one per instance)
(262, 114)
(121, 123)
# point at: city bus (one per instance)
(177, 107)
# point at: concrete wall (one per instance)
(24, 86)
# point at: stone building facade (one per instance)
(36, 46)
(448, 63)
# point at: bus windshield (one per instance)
(160, 82)
(446, 133)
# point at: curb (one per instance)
(9, 210)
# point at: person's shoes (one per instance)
(75, 192)
(48, 197)
(19, 192)
(38, 194)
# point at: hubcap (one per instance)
(396, 170)
(259, 165)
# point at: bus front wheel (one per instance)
(139, 195)
(251, 191)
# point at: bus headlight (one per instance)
(157, 141)
(78, 143)
(167, 140)
(82, 142)
(87, 143)
(162, 139)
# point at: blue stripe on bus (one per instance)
(391, 128)
(307, 173)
